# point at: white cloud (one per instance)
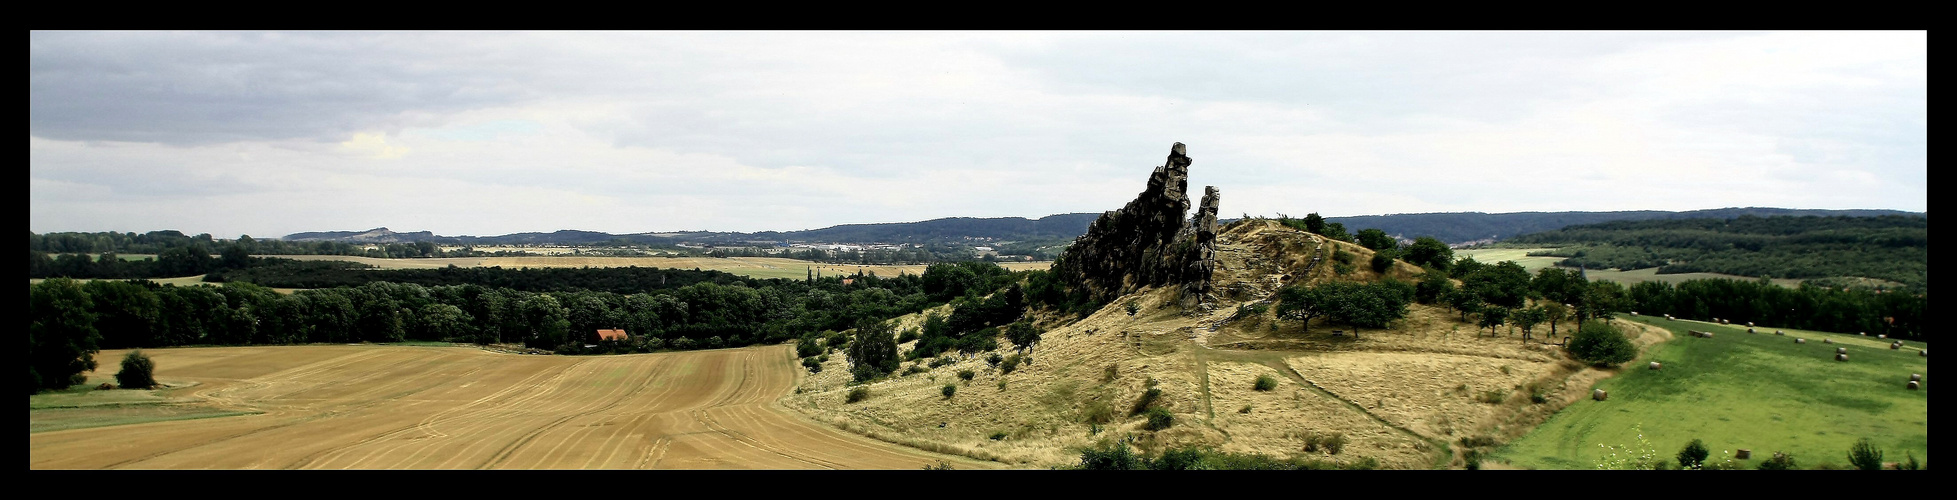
(491, 133)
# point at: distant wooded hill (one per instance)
(1891, 247)
(1462, 227)
(1052, 227)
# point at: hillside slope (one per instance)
(1401, 396)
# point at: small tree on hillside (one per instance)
(1492, 318)
(1601, 344)
(1301, 303)
(1555, 312)
(138, 372)
(874, 352)
(1528, 318)
(1429, 252)
(1377, 239)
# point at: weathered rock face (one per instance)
(1148, 242)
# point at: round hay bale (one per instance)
(1924, 353)
(1896, 346)
(1882, 335)
(1827, 341)
(1742, 454)
(1634, 313)
(1599, 395)
(1655, 365)
(1841, 357)
(1800, 341)
(1750, 330)
(1912, 385)
(1777, 332)
(1915, 377)
(1841, 350)
(1708, 334)
(1749, 324)
(1864, 334)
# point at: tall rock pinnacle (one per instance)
(1148, 242)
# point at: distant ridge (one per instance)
(1450, 227)
(1465, 227)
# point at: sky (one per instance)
(489, 133)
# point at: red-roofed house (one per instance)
(611, 335)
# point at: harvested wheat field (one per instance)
(400, 407)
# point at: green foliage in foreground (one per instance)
(1601, 344)
(1738, 390)
(1118, 456)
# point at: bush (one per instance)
(908, 335)
(858, 394)
(941, 361)
(1132, 307)
(808, 346)
(966, 375)
(1693, 455)
(1910, 464)
(1117, 457)
(1265, 383)
(1382, 260)
(1472, 459)
(138, 372)
(1011, 363)
(949, 390)
(994, 359)
(1780, 461)
(1096, 413)
(1146, 401)
(1864, 455)
(1159, 418)
(914, 369)
(812, 364)
(1477, 442)
(941, 465)
(1601, 344)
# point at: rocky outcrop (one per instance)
(1148, 242)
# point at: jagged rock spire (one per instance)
(1148, 242)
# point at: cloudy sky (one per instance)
(268, 134)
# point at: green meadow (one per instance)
(1758, 391)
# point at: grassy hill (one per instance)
(1759, 391)
(1404, 397)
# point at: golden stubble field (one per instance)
(406, 407)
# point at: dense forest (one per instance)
(1891, 247)
(682, 310)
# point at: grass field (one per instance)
(1736, 390)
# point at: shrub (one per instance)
(1265, 383)
(1864, 455)
(941, 361)
(812, 364)
(966, 375)
(1910, 464)
(1477, 442)
(1109, 374)
(858, 394)
(1601, 344)
(941, 465)
(1472, 459)
(1331, 443)
(1382, 260)
(1245, 409)
(997, 436)
(1133, 306)
(1159, 418)
(1693, 455)
(914, 369)
(1780, 461)
(949, 390)
(1011, 363)
(1341, 256)
(908, 335)
(807, 346)
(1146, 401)
(1342, 268)
(1117, 457)
(138, 372)
(994, 359)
